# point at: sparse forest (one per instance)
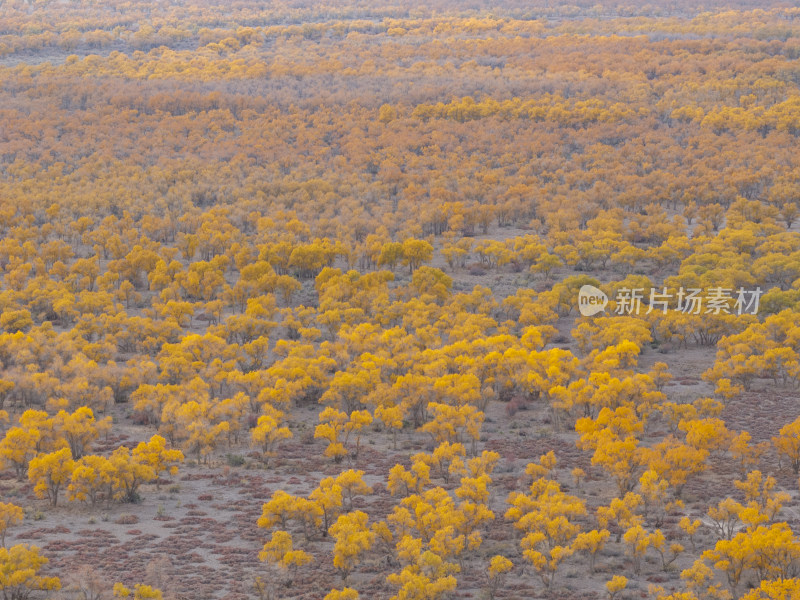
(290, 300)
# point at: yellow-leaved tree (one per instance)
(80, 429)
(353, 538)
(92, 477)
(10, 515)
(787, 444)
(279, 551)
(50, 473)
(140, 592)
(544, 517)
(499, 566)
(343, 594)
(157, 456)
(268, 432)
(19, 572)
